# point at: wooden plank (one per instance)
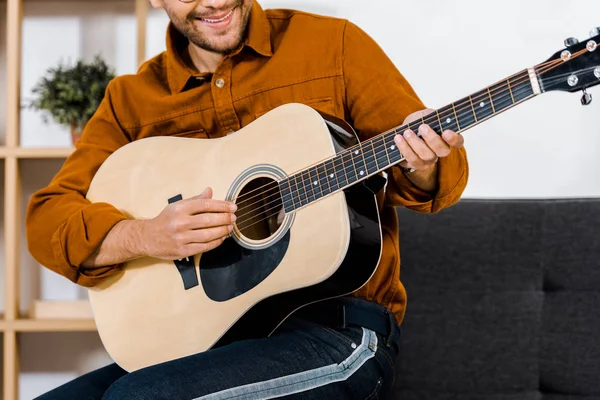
(14, 20)
(61, 309)
(54, 325)
(11, 366)
(141, 13)
(12, 201)
(40, 152)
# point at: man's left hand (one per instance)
(422, 153)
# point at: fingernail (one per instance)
(408, 134)
(422, 129)
(232, 207)
(233, 218)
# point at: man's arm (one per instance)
(64, 228)
(87, 242)
(379, 98)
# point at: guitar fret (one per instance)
(448, 120)
(510, 90)
(473, 108)
(380, 154)
(350, 167)
(323, 181)
(314, 183)
(331, 175)
(288, 204)
(491, 101)
(355, 164)
(466, 114)
(310, 192)
(340, 171)
(456, 116)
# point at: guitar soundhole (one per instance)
(260, 211)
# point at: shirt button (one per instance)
(220, 83)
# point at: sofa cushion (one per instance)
(503, 301)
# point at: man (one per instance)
(228, 62)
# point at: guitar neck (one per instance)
(372, 156)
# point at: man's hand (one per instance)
(185, 228)
(422, 153)
(188, 227)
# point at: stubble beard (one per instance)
(187, 28)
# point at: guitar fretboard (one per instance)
(372, 156)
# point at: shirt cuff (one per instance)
(77, 239)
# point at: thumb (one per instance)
(207, 194)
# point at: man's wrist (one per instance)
(425, 180)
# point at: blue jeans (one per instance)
(303, 359)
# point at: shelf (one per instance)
(33, 152)
(49, 325)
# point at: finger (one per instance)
(198, 248)
(453, 139)
(420, 147)
(434, 141)
(408, 153)
(198, 205)
(417, 115)
(207, 235)
(210, 220)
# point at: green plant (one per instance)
(72, 94)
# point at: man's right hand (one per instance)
(183, 229)
(188, 227)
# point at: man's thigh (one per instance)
(303, 360)
(90, 386)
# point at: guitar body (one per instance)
(155, 311)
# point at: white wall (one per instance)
(446, 49)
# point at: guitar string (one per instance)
(431, 117)
(278, 203)
(484, 95)
(370, 161)
(373, 160)
(376, 149)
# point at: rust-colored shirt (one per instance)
(288, 56)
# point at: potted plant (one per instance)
(71, 94)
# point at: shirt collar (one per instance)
(178, 72)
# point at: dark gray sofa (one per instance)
(503, 301)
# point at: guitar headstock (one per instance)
(576, 67)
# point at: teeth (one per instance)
(214, 21)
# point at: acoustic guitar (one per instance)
(307, 224)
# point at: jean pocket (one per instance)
(352, 336)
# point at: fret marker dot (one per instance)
(356, 152)
(393, 147)
(362, 173)
(449, 120)
(331, 176)
(315, 183)
(482, 104)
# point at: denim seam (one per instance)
(306, 380)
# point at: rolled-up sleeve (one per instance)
(379, 98)
(64, 228)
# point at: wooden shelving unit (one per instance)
(12, 324)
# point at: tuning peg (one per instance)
(586, 99)
(571, 41)
(595, 32)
